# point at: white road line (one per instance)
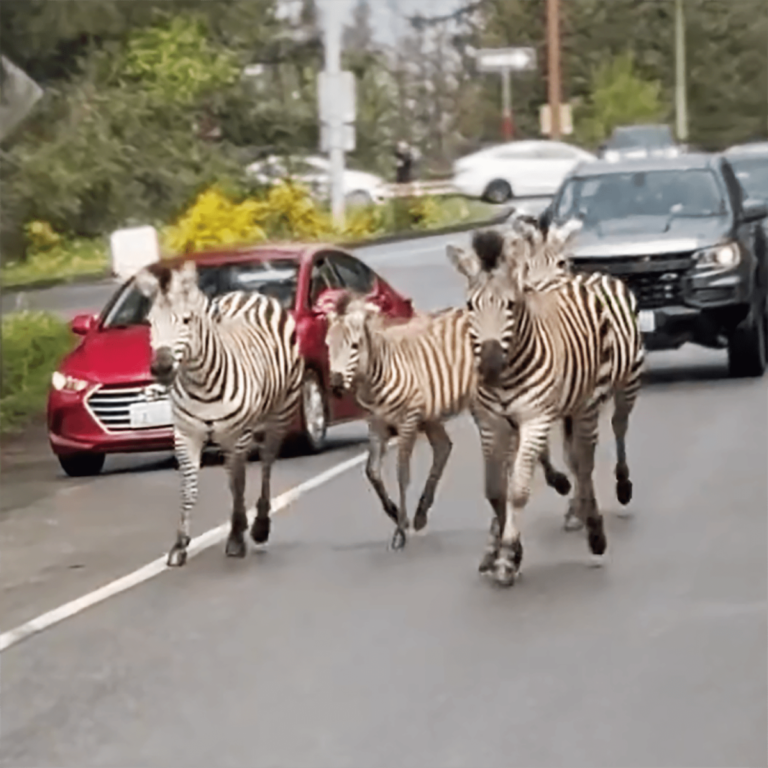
(158, 566)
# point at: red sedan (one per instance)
(101, 399)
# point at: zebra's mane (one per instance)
(488, 244)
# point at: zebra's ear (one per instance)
(188, 276)
(465, 261)
(563, 236)
(147, 283)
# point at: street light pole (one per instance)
(332, 46)
(553, 56)
(681, 107)
(507, 127)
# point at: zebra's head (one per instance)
(494, 267)
(177, 302)
(346, 340)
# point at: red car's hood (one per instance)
(114, 356)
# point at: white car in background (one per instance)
(516, 169)
(360, 188)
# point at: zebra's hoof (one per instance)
(419, 520)
(398, 540)
(177, 556)
(624, 491)
(561, 484)
(260, 529)
(596, 536)
(504, 573)
(572, 523)
(235, 546)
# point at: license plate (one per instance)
(157, 414)
(646, 321)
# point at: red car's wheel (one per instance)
(82, 464)
(314, 413)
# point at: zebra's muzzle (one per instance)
(491, 362)
(163, 366)
(337, 384)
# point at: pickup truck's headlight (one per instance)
(63, 383)
(726, 255)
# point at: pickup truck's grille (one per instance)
(111, 406)
(656, 281)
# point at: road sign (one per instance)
(513, 59)
(18, 94)
(344, 134)
(566, 120)
(336, 97)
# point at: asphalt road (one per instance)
(329, 650)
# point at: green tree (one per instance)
(619, 96)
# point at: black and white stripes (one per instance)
(233, 370)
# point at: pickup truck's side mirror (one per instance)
(753, 210)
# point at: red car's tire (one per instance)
(314, 414)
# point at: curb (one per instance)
(54, 282)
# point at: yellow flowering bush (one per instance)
(41, 236)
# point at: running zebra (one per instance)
(233, 371)
(542, 355)
(548, 265)
(409, 377)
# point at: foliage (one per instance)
(41, 236)
(176, 62)
(619, 97)
(68, 260)
(33, 344)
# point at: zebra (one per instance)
(410, 377)
(233, 372)
(542, 355)
(548, 266)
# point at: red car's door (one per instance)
(323, 278)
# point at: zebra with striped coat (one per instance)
(542, 355)
(548, 266)
(410, 377)
(233, 372)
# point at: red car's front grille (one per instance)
(110, 406)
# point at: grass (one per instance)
(72, 260)
(33, 344)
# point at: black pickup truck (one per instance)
(688, 243)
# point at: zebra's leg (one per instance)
(571, 522)
(555, 479)
(585, 441)
(533, 435)
(188, 450)
(236, 459)
(441, 450)
(406, 439)
(623, 403)
(377, 447)
(498, 439)
(273, 439)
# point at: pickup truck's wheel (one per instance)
(82, 464)
(748, 347)
(314, 413)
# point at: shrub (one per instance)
(33, 344)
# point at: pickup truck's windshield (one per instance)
(594, 199)
(276, 277)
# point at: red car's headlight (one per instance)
(63, 383)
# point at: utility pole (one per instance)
(553, 56)
(681, 107)
(332, 46)
(507, 126)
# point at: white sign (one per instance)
(133, 249)
(152, 414)
(336, 97)
(566, 119)
(646, 321)
(514, 59)
(346, 133)
(19, 93)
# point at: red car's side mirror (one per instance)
(82, 324)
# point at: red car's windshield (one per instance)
(275, 277)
